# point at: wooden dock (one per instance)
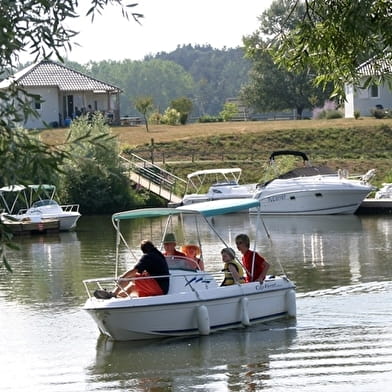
(375, 206)
(29, 227)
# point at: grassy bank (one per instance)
(358, 145)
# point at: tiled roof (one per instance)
(376, 66)
(48, 73)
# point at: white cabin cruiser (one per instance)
(195, 304)
(385, 192)
(40, 210)
(222, 183)
(311, 190)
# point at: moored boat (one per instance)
(311, 190)
(222, 184)
(40, 210)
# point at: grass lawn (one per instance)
(137, 135)
(356, 145)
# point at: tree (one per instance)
(272, 87)
(144, 105)
(96, 179)
(334, 37)
(183, 105)
(229, 111)
(39, 28)
(142, 79)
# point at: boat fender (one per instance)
(291, 303)
(203, 320)
(245, 311)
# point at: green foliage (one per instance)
(208, 119)
(331, 114)
(183, 105)
(96, 180)
(155, 118)
(217, 74)
(229, 111)
(144, 105)
(38, 28)
(171, 117)
(162, 80)
(357, 114)
(334, 37)
(378, 113)
(272, 87)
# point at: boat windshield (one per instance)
(183, 263)
(45, 202)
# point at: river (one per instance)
(340, 341)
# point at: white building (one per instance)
(364, 100)
(61, 92)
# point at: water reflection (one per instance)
(342, 340)
(45, 268)
(224, 361)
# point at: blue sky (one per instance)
(167, 24)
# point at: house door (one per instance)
(70, 106)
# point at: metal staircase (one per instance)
(154, 178)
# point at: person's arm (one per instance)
(263, 272)
(234, 273)
(201, 264)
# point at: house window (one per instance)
(373, 91)
(37, 103)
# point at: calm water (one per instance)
(341, 340)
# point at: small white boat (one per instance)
(40, 210)
(221, 183)
(311, 190)
(67, 215)
(385, 192)
(196, 304)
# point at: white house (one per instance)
(61, 93)
(364, 100)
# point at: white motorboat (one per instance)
(40, 210)
(311, 190)
(221, 183)
(196, 304)
(385, 192)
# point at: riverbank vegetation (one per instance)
(356, 145)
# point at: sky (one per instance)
(166, 24)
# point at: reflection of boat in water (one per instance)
(195, 303)
(290, 224)
(312, 224)
(173, 355)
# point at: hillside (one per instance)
(358, 145)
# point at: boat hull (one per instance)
(318, 198)
(193, 313)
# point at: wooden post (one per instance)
(152, 150)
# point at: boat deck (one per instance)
(375, 206)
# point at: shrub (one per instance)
(208, 119)
(357, 114)
(155, 118)
(171, 117)
(229, 111)
(330, 114)
(328, 111)
(378, 113)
